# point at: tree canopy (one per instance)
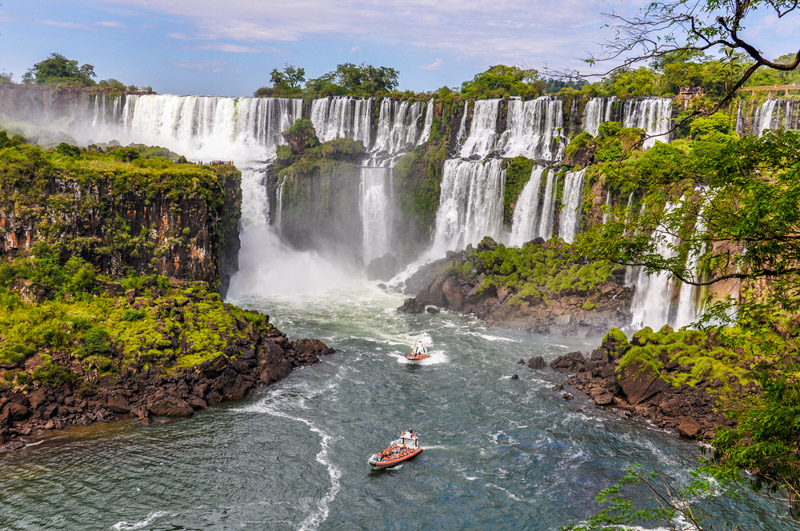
(501, 80)
(348, 79)
(58, 70)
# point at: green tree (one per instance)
(501, 80)
(58, 70)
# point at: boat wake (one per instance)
(125, 526)
(271, 405)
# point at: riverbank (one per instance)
(166, 348)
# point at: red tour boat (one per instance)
(403, 449)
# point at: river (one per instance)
(499, 453)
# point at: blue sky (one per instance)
(228, 47)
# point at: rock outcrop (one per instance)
(143, 393)
(639, 392)
(461, 283)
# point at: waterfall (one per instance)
(204, 127)
(533, 130)
(688, 308)
(376, 208)
(398, 125)
(548, 206)
(788, 115)
(598, 110)
(763, 120)
(607, 213)
(525, 224)
(470, 205)
(572, 205)
(482, 137)
(652, 300)
(654, 115)
(255, 201)
(462, 129)
(342, 117)
(426, 129)
(740, 118)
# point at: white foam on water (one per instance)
(313, 520)
(125, 526)
(436, 357)
(507, 492)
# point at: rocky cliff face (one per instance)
(177, 220)
(492, 283)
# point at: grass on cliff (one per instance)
(536, 272)
(63, 322)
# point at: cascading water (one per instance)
(462, 128)
(654, 115)
(482, 138)
(572, 206)
(534, 129)
(598, 110)
(652, 301)
(689, 308)
(342, 117)
(398, 125)
(202, 127)
(376, 211)
(525, 225)
(548, 206)
(765, 115)
(471, 203)
(428, 126)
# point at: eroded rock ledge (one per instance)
(544, 287)
(144, 393)
(639, 391)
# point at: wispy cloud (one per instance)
(435, 65)
(201, 66)
(180, 36)
(354, 49)
(62, 24)
(229, 48)
(110, 24)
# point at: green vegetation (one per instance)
(747, 191)
(86, 330)
(536, 273)
(502, 81)
(362, 80)
(91, 204)
(60, 71)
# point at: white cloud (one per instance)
(201, 66)
(354, 49)
(228, 48)
(180, 36)
(435, 65)
(61, 24)
(110, 24)
(495, 32)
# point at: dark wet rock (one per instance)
(537, 362)
(383, 268)
(521, 362)
(432, 310)
(567, 396)
(689, 428)
(163, 404)
(412, 306)
(573, 362)
(118, 404)
(515, 377)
